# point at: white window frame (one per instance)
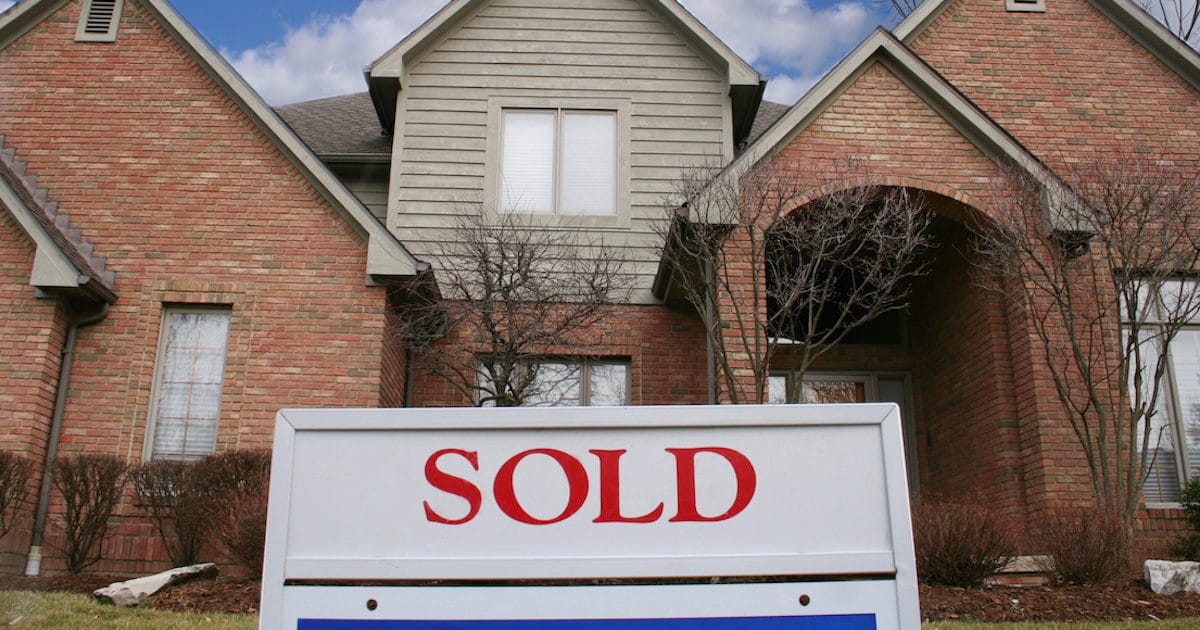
(1169, 393)
(160, 364)
(586, 364)
(493, 195)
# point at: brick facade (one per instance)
(191, 205)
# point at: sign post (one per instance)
(590, 518)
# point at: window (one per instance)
(559, 161)
(188, 381)
(574, 383)
(1173, 454)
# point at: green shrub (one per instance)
(1188, 547)
(959, 543)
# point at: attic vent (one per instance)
(1025, 6)
(98, 21)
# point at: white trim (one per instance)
(52, 268)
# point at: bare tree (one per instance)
(1181, 17)
(764, 273)
(904, 7)
(1105, 273)
(508, 294)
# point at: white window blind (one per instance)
(191, 365)
(589, 163)
(557, 161)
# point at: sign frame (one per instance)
(289, 580)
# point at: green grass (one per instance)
(23, 610)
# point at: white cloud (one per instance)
(326, 56)
(788, 89)
(794, 40)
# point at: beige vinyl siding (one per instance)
(577, 51)
(369, 184)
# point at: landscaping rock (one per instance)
(134, 592)
(1166, 578)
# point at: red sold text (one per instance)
(578, 484)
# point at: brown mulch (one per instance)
(1126, 599)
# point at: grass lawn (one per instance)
(23, 610)
(33, 611)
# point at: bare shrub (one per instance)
(237, 484)
(959, 543)
(179, 504)
(14, 485)
(243, 531)
(1088, 546)
(91, 487)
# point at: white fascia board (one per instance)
(740, 72)
(982, 131)
(23, 16)
(391, 63)
(916, 22)
(51, 266)
(1135, 21)
(1153, 36)
(392, 258)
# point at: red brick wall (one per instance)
(1068, 83)
(31, 341)
(664, 345)
(190, 204)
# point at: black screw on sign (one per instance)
(805, 600)
(372, 604)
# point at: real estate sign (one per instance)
(590, 518)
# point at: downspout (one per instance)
(33, 566)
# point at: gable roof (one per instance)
(1127, 15)
(746, 85)
(386, 256)
(988, 136)
(339, 128)
(63, 261)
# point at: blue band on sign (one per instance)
(813, 622)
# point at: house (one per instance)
(151, 197)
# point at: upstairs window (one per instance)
(559, 161)
(189, 378)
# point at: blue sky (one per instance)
(294, 50)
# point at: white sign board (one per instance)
(450, 516)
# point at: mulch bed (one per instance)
(1122, 600)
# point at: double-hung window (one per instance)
(189, 377)
(1173, 448)
(559, 161)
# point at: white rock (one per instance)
(134, 592)
(1166, 577)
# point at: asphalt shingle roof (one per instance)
(348, 126)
